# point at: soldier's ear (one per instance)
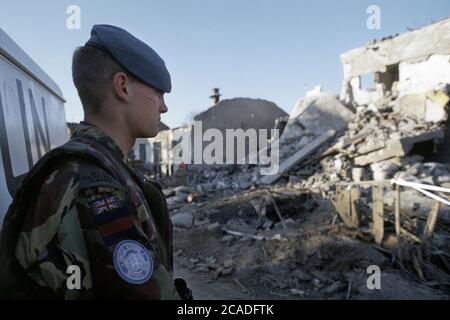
(121, 84)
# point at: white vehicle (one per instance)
(32, 117)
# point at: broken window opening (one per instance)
(389, 77)
(367, 81)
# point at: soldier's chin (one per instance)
(147, 133)
(151, 133)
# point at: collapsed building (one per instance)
(364, 181)
(413, 63)
(412, 68)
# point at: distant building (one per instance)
(237, 113)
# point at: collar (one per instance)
(88, 130)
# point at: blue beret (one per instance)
(134, 55)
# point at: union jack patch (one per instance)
(105, 204)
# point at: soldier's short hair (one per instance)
(92, 73)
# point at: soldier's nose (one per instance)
(164, 108)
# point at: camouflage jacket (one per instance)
(105, 220)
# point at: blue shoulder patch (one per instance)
(133, 262)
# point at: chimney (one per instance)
(215, 97)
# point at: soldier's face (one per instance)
(147, 105)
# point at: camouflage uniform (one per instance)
(80, 213)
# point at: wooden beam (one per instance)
(355, 195)
(344, 203)
(397, 210)
(397, 222)
(431, 221)
(378, 214)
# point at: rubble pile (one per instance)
(202, 182)
(303, 257)
(381, 144)
(293, 239)
(360, 185)
(352, 156)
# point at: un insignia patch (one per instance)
(133, 262)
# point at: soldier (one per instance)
(81, 211)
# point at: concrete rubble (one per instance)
(311, 231)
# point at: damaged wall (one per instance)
(410, 63)
(412, 46)
(353, 92)
(424, 76)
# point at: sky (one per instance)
(272, 50)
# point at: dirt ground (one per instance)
(314, 257)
